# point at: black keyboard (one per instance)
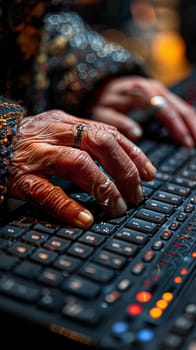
(127, 282)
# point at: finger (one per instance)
(37, 154)
(53, 200)
(122, 122)
(187, 115)
(144, 165)
(78, 166)
(75, 165)
(54, 128)
(115, 153)
(176, 114)
(57, 117)
(178, 129)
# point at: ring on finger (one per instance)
(158, 102)
(80, 128)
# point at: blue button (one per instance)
(145, 335)
(119, 327)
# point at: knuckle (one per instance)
(103, 139)
(79, 160)
(105, 189)
(130, 172)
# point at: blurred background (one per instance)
(150, 29)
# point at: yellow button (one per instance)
(155, 312)
(167, 296)
(162, 304)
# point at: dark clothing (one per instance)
(54, 60)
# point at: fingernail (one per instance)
(188, 142)
(84, 219)
(120, 206)
(137, 132)
(150, 169)
(139, 194)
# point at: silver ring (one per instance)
(78, 138)
(158, 102)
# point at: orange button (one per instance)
(144, 296)
(168, 296)
(177, 279)
(162, 304)
(183, 271)
(155, 312)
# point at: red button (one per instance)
(144, 296)
(134, 309)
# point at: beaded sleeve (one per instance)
(73, 59)
(10, 115)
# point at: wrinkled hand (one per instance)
(45, 146)
(117, 97)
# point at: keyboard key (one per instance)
(159, 206)
(19, 289)
(132, 236)
(138, 268)
(43, 256)
(104, 228)
(57, 244)
(182, 181)
(142, 226)
(172, 342)
(92, 238)
(67, 263)
(35, 238)
(20, 249)
(51, 277)
(97, 273)
(46, 227)
(80, 250)
(176, 189)
(122, 248)
(109, 259)
(28, 269)
(149, 215)
(81, 287)
(51, 300)
(7, 261)
(10, 231)
(78, 310)
(182, 325)
(69, 233)
(168, 198)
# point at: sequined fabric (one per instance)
(50, 60)
(56, 62)
(73, 59)
(10, 115)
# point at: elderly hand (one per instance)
(54, 143)
(117, 97)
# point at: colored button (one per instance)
(183, 271)
(155, 312)
(134, 309)
(178, 279)
(144, 296)
(119, 327)
(145, 335)
(162, 304)
(168, 296)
